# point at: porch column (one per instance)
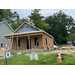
(7, 43)
(17, 42)
(10, 43)
(29, 41)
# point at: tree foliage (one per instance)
(11, 17)
(60, 24)
(38, 20)
(71, 37)
(35, 16)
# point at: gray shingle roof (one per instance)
(27, 29)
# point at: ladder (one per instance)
(37, 43)
(11, 37)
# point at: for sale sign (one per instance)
(34, 57)
(7, 54)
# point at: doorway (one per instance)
(23, 45)
(28, 43)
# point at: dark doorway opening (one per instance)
(28, 43)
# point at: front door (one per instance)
(23, 45)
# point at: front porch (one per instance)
(27, 42)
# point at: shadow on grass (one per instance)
(63, 56)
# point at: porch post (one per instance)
(7, 43)
(17, 42)
(42, 41)
(29, 41)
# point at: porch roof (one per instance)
(27, 33)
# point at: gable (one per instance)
(4, 27)
(26, 28)
(6, 24)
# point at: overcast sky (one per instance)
(23, 13)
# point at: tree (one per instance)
(1, 14)
(9, 17)
(71, 37)
(43, 25)
(15, 22)
(12, 18)
(35, 17)
(72, 25)
(60, 25)
(38, 20)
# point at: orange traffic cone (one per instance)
(59, 57)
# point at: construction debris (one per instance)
(56, 47)
(68, 47)
(19, 53)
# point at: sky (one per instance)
(23, 13)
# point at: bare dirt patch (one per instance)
(1, 63)
(61, 51)
(2, 53)
(66, 51)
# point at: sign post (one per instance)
(7, 55)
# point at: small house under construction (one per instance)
(27, 36)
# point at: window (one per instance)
(46, 41)
(1, 44)
(36, 42)
(18, 43)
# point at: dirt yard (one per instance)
(2, 53)
(61, 51)
(67, 50)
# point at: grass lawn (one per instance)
(50, 59)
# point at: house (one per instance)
(4, 29)
(27, 36)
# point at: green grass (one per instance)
(49, 59)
